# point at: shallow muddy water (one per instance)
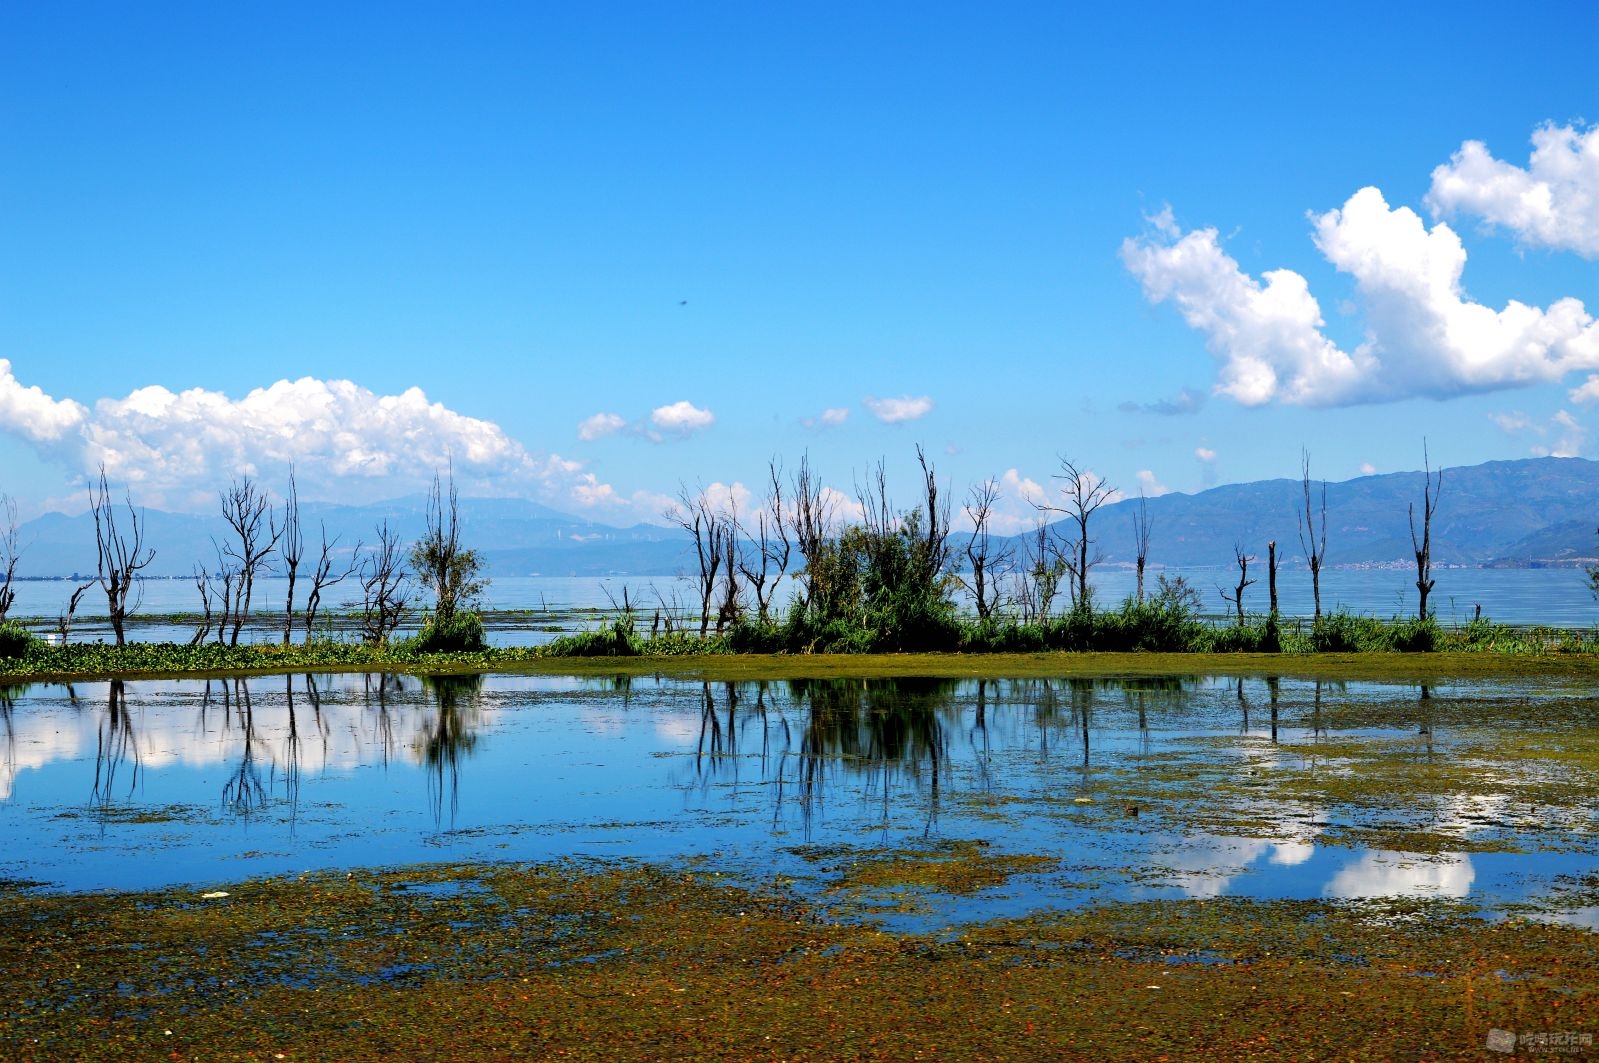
(1128, 789)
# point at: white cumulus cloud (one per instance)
(177, 449)
(31, 414)
(897, 411)
(1553, 203)
(1205, 454)
(1424, 337)
(681, 418)
(599, 426)
(1151, 486)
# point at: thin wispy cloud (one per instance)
(1186, 401)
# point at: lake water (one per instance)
(188, 783)
(1554, 597)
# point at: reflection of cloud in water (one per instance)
(1382, 873)
(343, 735)
(1291, 854)
(682, 729)
(1207, 864)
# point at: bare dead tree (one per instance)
(1423, 547)
(385, 587)
(1271, 575)
(1141, 527)
(323, 577)
(1313, 534)
(292, 550)
(202, 583)
(1083, 493)
(250, 514)
(222, 591)
(1043, 566)
(987, 562)
(810, 523)
(696, 515)
(1236, 598)
(771, 545)
(64, 620)
(10, 552)
(731, 606)
(121, 554)
(934, 555)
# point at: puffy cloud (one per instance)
(176, 449)
(1205, 454)
(1423, 336)
(1427, 337)
(1267, 336)
(30, 413)
(897, 411)
(1151, 486)
(1586, 393)
(1367, 469)
(832, 417)
(681, 418)
(1553, 203)
(599, 426)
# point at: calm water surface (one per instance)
(168, 783)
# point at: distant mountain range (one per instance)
(1532, 512)
(1538, 511)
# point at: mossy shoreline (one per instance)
(623, 960)
(163, 661)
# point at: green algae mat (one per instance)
(637, 961)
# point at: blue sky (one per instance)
(622, 247)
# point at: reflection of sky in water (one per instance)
(162, 782)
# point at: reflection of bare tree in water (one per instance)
(117, 745)
(1273, 684)
(8, 696)
(378, 686)
(244, 792)
(449, 738)
(888, 729)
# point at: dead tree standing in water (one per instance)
(322, 578)
(771, 546)
(292, 550)
(986, 562)
(10, 550)
(385, 588)
(1429, 504)
(246, 509)
(121, 554)
(1313, 536)
(1083, 493)
(1141, 526)
(1271, 575)
(695, 515)
(1236, 598)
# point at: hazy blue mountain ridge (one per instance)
(1532, 511)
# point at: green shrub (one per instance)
(615, 639)
(15, 640)
(461, 633)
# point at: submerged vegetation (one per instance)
(627, 961)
